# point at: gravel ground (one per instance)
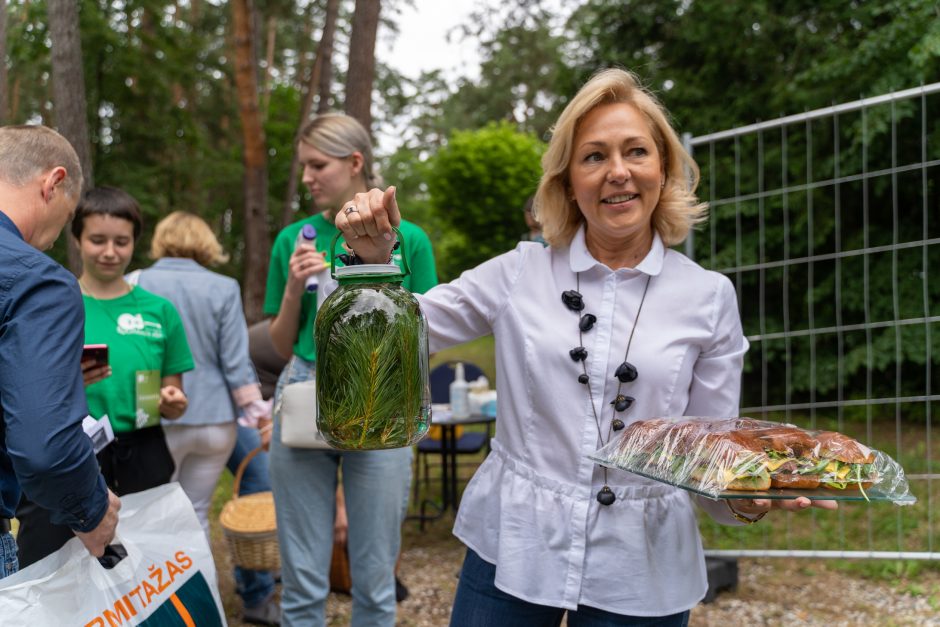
(827, 595)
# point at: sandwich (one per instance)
(690, 452)
(792, 460)
(739, 424)
(640, 445)
(844, 462)
(729, 460)
(744, 454)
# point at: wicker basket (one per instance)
(250, 525)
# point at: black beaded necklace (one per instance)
(625, 372)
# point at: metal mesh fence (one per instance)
(828, 223)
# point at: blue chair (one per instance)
(469, 443)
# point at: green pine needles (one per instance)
(372, 365)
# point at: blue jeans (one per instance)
(253, 586)
(375, 484)
(9, 563)
(479, 603)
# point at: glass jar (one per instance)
(372, 360)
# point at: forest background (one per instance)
(195, 105)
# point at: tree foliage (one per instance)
(715, 67)
(718, 67)
(163, 122)
(478, 184)
(161, 101)
(522, 78)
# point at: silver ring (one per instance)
(350, 209)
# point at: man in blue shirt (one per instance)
(43, 450)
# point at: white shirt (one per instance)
(531, 507)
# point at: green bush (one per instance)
(479, 182)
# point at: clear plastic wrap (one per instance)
(747, 458)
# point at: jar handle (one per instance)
(404, 258)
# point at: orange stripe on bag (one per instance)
(184, 613)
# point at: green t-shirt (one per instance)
(415, 245)
(144, 334)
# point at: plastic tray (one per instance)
(706, 456)
(817, 494)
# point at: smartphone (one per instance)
(97, 352)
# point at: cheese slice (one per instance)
(774, 464)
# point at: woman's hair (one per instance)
(108, 201)
(339, 135)
(184, 234)
(678, 209)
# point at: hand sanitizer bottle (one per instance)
(459, 394)
(308, 235)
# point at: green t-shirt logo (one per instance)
(134, 324)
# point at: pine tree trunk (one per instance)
(323, 59)
(255, 228)
(325, 85)
(68, 93)
(361, 73)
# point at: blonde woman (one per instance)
(222, 386)
(549, 532)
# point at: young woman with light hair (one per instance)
(336, 155)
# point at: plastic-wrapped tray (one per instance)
(746, 458)
(818, 494)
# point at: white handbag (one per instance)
(297, 412)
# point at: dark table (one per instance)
(448, 451)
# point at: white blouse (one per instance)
(531, 507)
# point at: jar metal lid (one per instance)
(368, 269)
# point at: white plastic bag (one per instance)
(167, 578)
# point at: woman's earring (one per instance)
(662, 184)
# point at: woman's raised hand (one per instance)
(366, 222)
(305, 261)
